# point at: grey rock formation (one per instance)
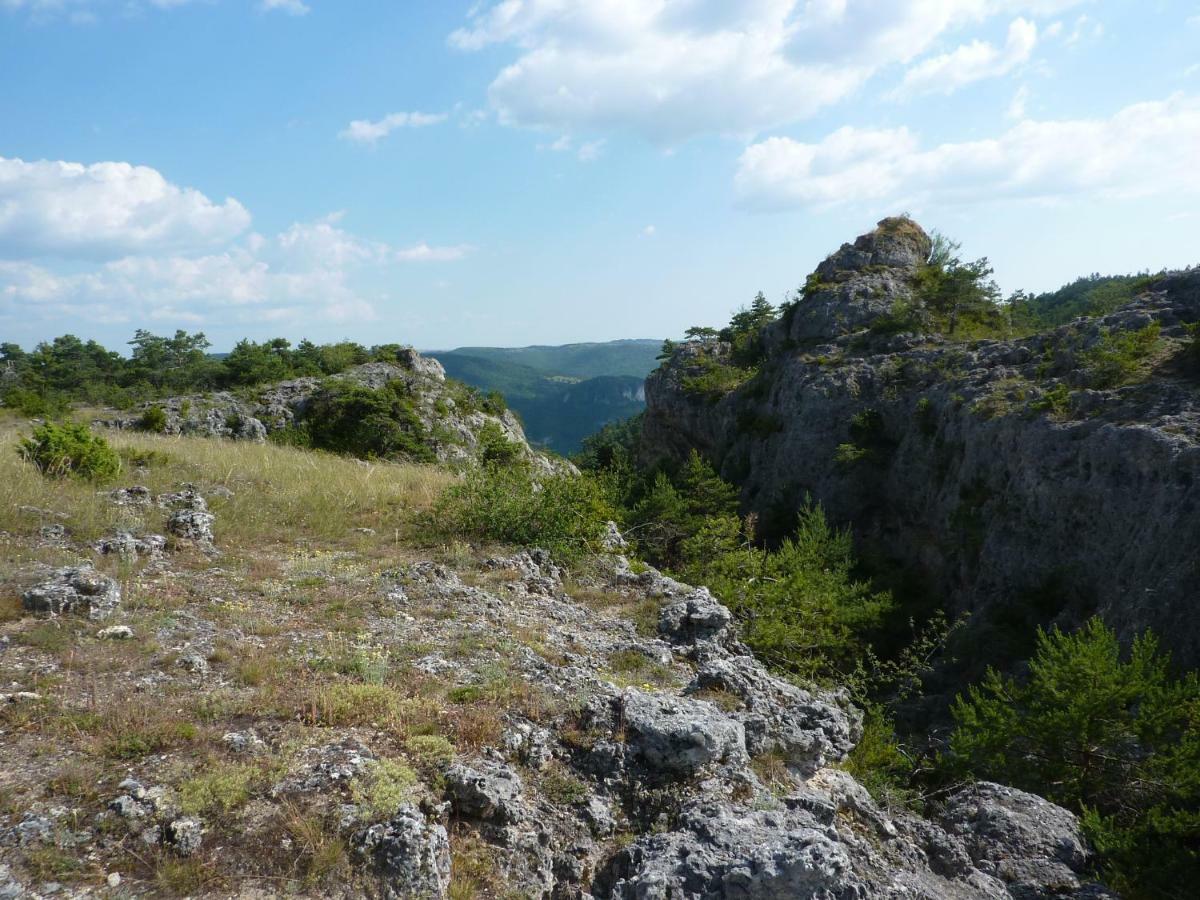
(410, 856)
(485, 792)
(130, 546)
(677, 735)
(807, 731)
(959, 472)
(78, 590)
(451, 428)
(1033, 846)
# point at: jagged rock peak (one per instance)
(858, 284)
(897, 242)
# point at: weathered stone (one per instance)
(677, 735)
(485, 791)
(410, 857)
(79, 590)
(130, 546)
(807, 730)
(697, 617)
(1033, 846)
(184, 836)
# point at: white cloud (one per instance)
(422, 252)
(105, 209)
(312, 269)
(672, 69)
(971, 62)
(649, 231)
(1020, 101)
(364, 131)
(1144, 149)
(1086, 29)
(291, 7)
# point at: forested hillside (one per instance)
(563, 394)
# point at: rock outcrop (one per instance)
(75, 590)
(995, 470)
(450, 414)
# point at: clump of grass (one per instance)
(631, 666)
(321, 853)
(345, 704)
(385, 786)
(430, 750)
(561, 787)
(472, 867)
(221, 788)
(52, 864)
(180, 877)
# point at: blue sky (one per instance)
(541, 171)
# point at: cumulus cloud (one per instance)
(946, 73)
(1144, 149)
(106, 209)
(364, 131)
(115, 242)
(672, 69)
(310, 269)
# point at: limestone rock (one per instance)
(485, 791)
(410, 856)
(1033, 846)
(677, 735)
(78, 590)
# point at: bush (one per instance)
(1107, 734)
(801, 608)
(1121, 357)
(373, 424)
(153, 419)
(565, 514)
(495, 447)
(59, 450)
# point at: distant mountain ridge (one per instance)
(563, 393)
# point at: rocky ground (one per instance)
(351, 712)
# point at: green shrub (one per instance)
(153, 419)
(1108, 734)
(35, 403)
(801, 608)
(1121, 357)
(565, 514)
(495, 447)
(373, 424)
(1056, 401)
(714, 378)
(59, 450)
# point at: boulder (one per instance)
(485, 791)
(1032, 845)
(78, 590)
(410, 856)
(677, 735)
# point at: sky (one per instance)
(513, 172)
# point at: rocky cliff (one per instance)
(1021, 479)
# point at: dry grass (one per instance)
(280, 493)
